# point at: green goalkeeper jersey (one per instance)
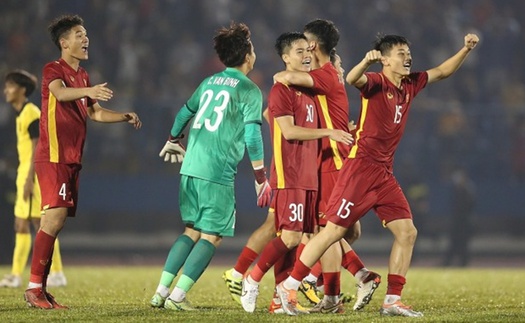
(220, 108)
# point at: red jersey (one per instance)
(294, 162)
(384, 112)
(62, 124)
(333, 110)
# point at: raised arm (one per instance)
(356, 76)
(452, 64)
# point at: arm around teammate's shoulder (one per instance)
(294, 78)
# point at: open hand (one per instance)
(100, 92)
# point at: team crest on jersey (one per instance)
(72, 78)
(390, 96)
(299, 93)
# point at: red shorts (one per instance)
(363, 185)
(295, 210)
(58, 185)
(327, 182)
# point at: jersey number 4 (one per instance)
(220, 102)
(62, 192)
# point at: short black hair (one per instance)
(285, 41)
(62, 25)
(232, 44)
(326, 33)
(384, 43)
(23, 79)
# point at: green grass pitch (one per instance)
(121, 294)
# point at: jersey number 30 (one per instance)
(220, 102)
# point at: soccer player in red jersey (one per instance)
(19, 85)
(67, 100)
(294, 129)
(333, 106)
(366, 180)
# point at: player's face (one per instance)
(76, 43)
(399, 59)
(12, 92)
(299, 56)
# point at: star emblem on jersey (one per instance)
(390, 96)
(72, 78)
(299, 93)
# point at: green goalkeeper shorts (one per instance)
(208, 206)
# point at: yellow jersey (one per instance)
(26, 130)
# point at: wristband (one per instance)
(173, 139)
(260, 175)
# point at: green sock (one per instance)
(198, 260)
(179, 252)
(166, 279)
(185, 283)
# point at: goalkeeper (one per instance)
(225, 113)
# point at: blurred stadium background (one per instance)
(462, 157)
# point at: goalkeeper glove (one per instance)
(262, 188)
(173, 151)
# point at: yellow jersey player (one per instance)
(18, 87)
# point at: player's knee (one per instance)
(412, 235)
(291, 239)
(214, 240)
(268, 229)
(353, 234)
(409, 235)
(333, 232)
(21, 226)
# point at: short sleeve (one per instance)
(324, 79)
(373, 84)
(280, 101)
(419, 81)
(34, 129)
(51, 72)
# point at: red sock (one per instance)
(42, 251)
(317, 269)
(320, 281)
(352, 262)
(245, 260)
(269, 256)
(332, 283)
(300, 270)
(283, 266)
(395, 284)
(299, 251)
